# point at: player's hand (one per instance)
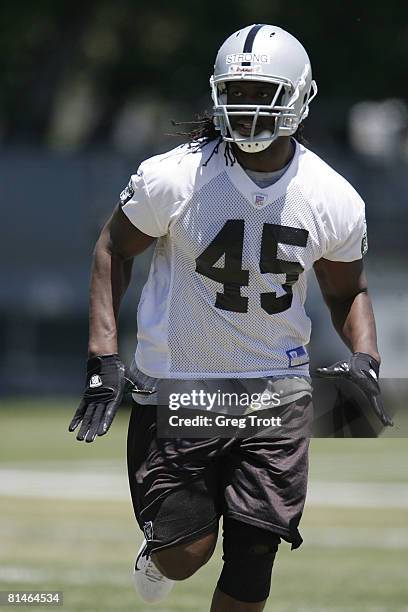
(363, 370)
(107, 380)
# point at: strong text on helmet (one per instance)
(259, 58)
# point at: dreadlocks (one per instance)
(202, 131)
(202, 127)
(299, 135)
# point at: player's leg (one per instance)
(264, 481)
(182, 561)
(265, 476)
(155, 574)
(245, 580)
(184, 531)
(174, 500)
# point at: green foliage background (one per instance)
(164, 51)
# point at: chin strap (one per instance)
(254, 147)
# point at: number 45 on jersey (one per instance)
(230, 242)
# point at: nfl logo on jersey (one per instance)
(259, 200)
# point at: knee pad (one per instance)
(249, 553)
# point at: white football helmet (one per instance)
(269, 54)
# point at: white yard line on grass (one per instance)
(86, 485)
(110, 485)
(357, 494)
(21, 574)
(384, 538)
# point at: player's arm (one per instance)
(344, 289)
(117, 244)
(107, 377)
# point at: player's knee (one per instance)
(181, 562)
(249, 554)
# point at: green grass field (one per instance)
(57, 533)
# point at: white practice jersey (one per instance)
(227, 285)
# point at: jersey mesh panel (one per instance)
(205, 340)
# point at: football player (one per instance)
(238, 215)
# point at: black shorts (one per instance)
(181, 487)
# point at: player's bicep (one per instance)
(339, 280)
(124, 238)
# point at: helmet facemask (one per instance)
(289, 107)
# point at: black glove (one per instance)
(107, 380)
(363, 370)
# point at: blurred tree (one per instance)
(85, 60)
